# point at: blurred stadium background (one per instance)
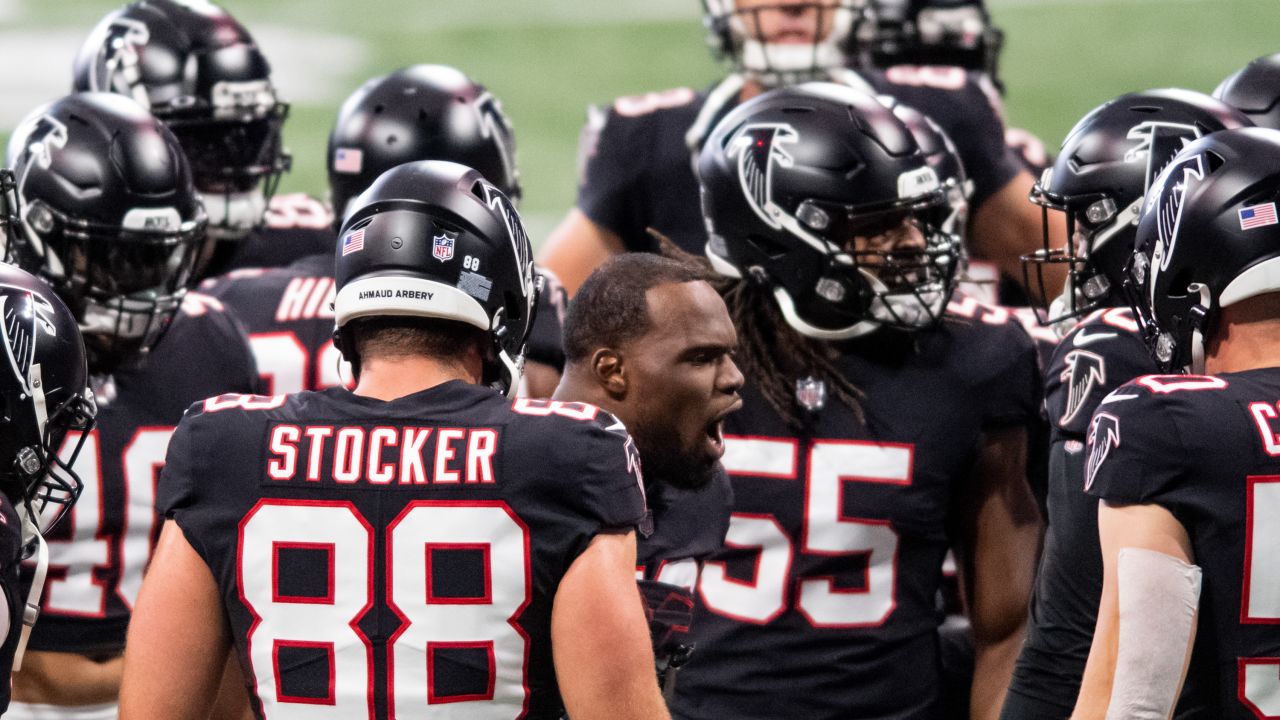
(548, 59)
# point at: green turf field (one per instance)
(547, 59)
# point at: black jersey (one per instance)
(638, 164)
(288, 313)
(688, 526)
(379, 556)
(822, 603)
(546, 339)
(294, 226)
(1102, 352)
(97, 554)
(15, 592)
(1207, 449)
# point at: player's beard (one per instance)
(665, 458)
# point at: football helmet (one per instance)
(941, 154)
(740, 35)
(794, 179)
(959, 33)
(435, 239)
(1208, 238)
(1097, 183)
(45, 394)
(423, 112)
(108, 217)
(1255, 91)
(197, 69)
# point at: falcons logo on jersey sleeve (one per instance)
(1104, 434)
(758, 148)
(1084, 371)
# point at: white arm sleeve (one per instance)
(1159, 596)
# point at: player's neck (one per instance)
(577, 385)
(388, 378)
(1248, 337)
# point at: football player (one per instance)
(873, 437)
(1186, 465)
(423, 112)
(771, 43)
(1096, 189)
(44, 386)
(199, 70)
(650, 341)
(111, 221)
(1255, 91)
(418, 544)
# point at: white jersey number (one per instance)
(431, 622)
(825, 532)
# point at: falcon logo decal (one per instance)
(1158, 143)
(26, 316)
(758, 149)
(1084, 371)
(1104, 434)
(117, 68)
(1181, 178)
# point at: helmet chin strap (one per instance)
(31, 608)
(788, 308)
(1198, 341)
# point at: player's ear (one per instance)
(608, 366)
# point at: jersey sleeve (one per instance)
(612, 150)
(1013, 393)
(177, 490)
(546, 339)
(1091, 362)
(1135, 451)
(602, 466)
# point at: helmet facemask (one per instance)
(1101, 235)
(124, 284)
(852, 284)
(739, 34)
(237, 159)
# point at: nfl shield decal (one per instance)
(442, 246)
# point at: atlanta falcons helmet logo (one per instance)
(758, 149)
(1084, 372)
(26, 317)
(1158, 143)
(1104, 434)
(1180, 178)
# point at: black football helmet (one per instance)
(1107, 162)
(423, 112)
(1255, 91)
(941, 154)
(736, 35)
(1208, 238)
(197, 69)
(790, 178)
(435, 239)
(109, 218)
(958, 33)
(45, 396)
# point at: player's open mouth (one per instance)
(715, 436)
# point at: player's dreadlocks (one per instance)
(770, 351)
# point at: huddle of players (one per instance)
(883, 422)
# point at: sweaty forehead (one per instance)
(685, 315)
